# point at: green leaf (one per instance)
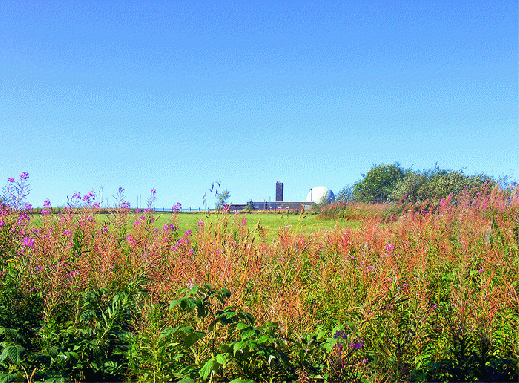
(241, 326)
(249, 333)
(12, 353)
(242, 381)
(238, 346)
(222, 359)
(186, 380)
(210, 366)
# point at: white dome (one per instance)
(320, 193)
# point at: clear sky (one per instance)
(174, 95)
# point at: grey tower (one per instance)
(279, 191)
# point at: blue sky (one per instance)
(175, 95)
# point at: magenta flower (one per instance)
(2, 224)
(28, 242)
(46, 203)
(357, 346)
(390, 247)
(370, 268)
(97, 204)
(153, 191)
(67, 232)
(200, 223)
(187, 233)
(45, 212)
(10, 179)
(191, 251)
(24, 175)
(28, 206)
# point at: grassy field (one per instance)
(428, 294)
(272, 223)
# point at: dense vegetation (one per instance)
(392, 183)
(425, 292)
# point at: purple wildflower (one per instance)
(357, 345)
(2, 224)
(46, 203)
(45, 212)
(28, 242)
(390, 247)
(10, 179)
(24, 176)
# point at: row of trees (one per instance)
(393, 183)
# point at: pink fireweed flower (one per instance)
(45, 212)
(153, 191)
(67, 233)
(357, 345)
(28, 242)
(24, 176)
(10, 179)
(480, 270)
(370, 268)
(137, 222)
(2, 224)
(130, 239)
(97, 204)
(187, 233)
(191, 251)
(390, 247)
(28, 206)
(200, 223)
(46, 203)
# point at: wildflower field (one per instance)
(417, 292)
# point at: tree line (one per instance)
(393, 183)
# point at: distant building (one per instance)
(320, 194)
(316, 195)
(279, 191)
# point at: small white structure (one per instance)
(320, 194)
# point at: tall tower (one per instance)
(279, 191)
